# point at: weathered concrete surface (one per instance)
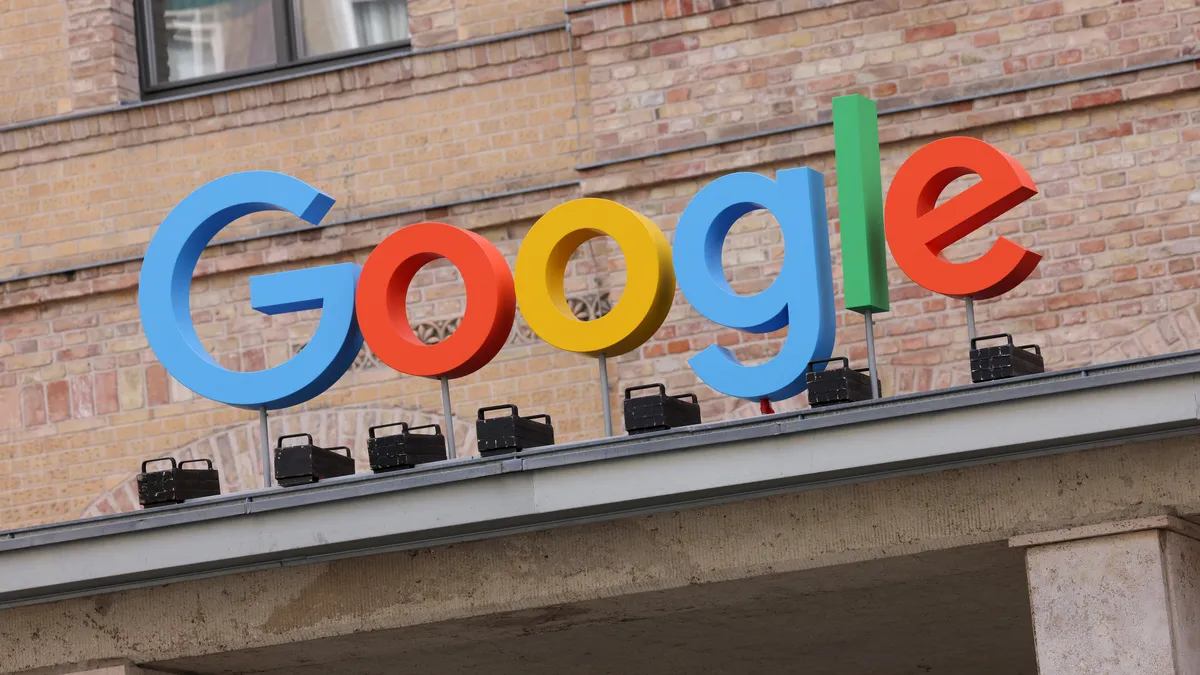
(1181, 560)
(808, 530)
(961, 611)
(108, 667)
(1159, 522)
(1120, 604)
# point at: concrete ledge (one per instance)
(1161, 522)
(914, 518)
(604, 480)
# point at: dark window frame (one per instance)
(150, 61)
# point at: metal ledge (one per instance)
(471, 499)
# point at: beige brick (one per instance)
(131, 389)
(1114, 218)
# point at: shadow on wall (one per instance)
(235, 453)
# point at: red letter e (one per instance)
(917, 232)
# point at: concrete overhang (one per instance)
(474, 498)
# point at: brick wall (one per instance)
(62, 57)
(83, 401)
(723, 73)
(421, 130)
(70, 56)
(102, 52)
(35, 78)
(441, 22)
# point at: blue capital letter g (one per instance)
(165, 283)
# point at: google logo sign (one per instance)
(369, 304)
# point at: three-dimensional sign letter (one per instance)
(801, 297)
(542, 263)
(165, 306)
(860, 204)
(383, 301)
(918, 230)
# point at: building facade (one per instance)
(485, 115)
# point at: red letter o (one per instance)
(381, 301)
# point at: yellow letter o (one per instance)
(542, 265)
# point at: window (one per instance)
(187, 42)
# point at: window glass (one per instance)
(189, 39)
(328, 26)
(197, 38)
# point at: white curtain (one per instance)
(206, 38)
(339, 25)
(380, 21)
(247, 34)
(328, 26)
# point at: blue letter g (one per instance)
(801, 297)
(165, 283)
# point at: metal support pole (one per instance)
(971, 332)
(604, 393)
(870, 325)
(448, 419)
(265, 438)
